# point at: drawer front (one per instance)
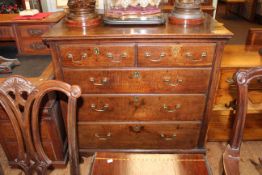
(32, 31)
(34, 46)
(97, 55)
(141, 107)
(140, 81)
(138, 136)
(176, 54)
(6, 33)
(227, 80)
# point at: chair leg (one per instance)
(1, 169)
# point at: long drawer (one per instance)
(138, 136)
(141, 107)
(140, 80)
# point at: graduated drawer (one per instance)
(31, 31)
(141, 107)
(138, 136)
(34, 46)
(140, 80)
(108, 55)
(185, 54)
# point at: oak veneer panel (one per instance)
(138, 136)
(140, 80)
(141, 107)
(145, 164)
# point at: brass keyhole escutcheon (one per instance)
(137, 128)
(176, 50)
(96, 51)
(136, 74)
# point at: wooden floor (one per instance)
(249, 160)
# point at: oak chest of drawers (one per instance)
(145, 88)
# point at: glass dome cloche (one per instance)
(133, 12)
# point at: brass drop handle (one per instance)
(103, 137)
(110, 56)
(168, 81)
(35, 32)
(103, 82)
(72, 58)
(190, 56)
(231, 104)
(37, 46)
(103, 109)
(161, 56)
(168, 109)
(230, 81)
(168, 138)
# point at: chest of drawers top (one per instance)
(210, 29)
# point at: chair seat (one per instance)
(106, 163)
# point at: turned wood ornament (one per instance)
(82, 13)
(187, 12)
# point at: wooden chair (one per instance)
(21, 101)
(231, 155)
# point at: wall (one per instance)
(50, 6)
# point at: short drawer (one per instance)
(34, 46)
(140, 80)
(141, 107)
(185, 54)
(83, 55)
(138, 136)
(31, 31)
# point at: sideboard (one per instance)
(145, 88)
(27, 33)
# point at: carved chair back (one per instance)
(231, 155)
(21, 100)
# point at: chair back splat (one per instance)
(231, 155)
(21, 100)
